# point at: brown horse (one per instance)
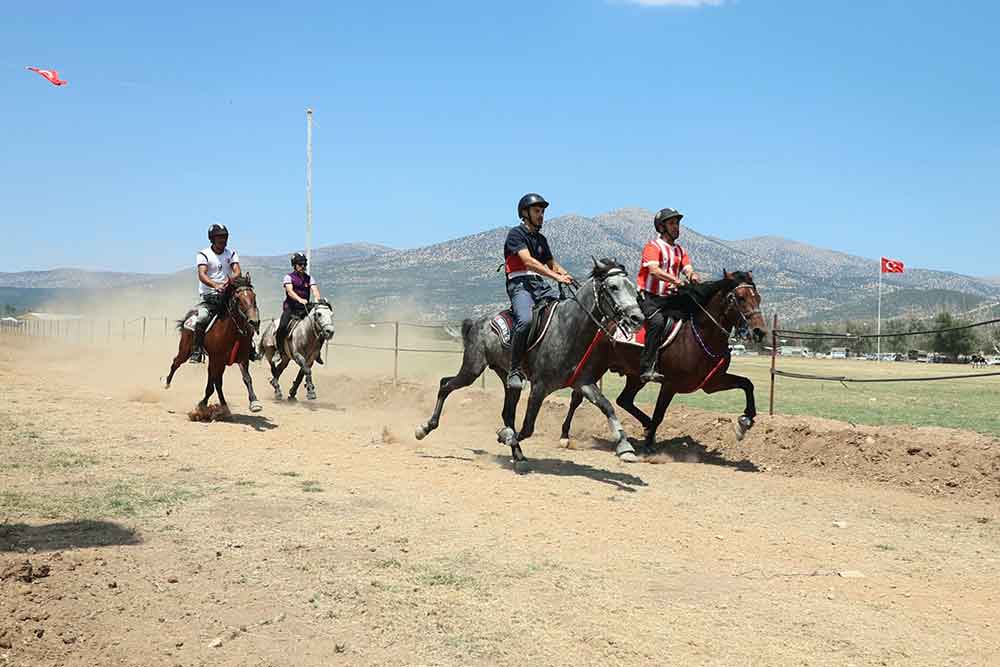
(229, 341)
(698, 358)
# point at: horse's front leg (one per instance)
(310, 387)
(623, 448)
(662, 403)
(248, 381)
(729, 381)
(276, 371)
(626, 400)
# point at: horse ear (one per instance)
(750, 275)
(596, 265)
(726, 275)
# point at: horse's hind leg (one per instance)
(276, 372)
(255, 406)
(472, 368)
(623, 448)
(183, 354)
(310, 387)
(209, 390)
(574, 403)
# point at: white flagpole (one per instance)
(878, 341)
(309, 184)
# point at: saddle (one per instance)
(639, 337)
(502, 323)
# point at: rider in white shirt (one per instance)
(217, 265)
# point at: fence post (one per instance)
(164, 325)
(774, 356)
(123, 329)
(395, 362)
(144, 330)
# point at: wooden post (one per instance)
(109, 330)
(164, 325)
(144, 330)
(774, 356)
(395, 363)
(123, 329)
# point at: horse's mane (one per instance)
(690, 296)
(604, 266)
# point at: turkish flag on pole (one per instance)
(50, 74)
(891, 265)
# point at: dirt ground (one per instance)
(322, 532)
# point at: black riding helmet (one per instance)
(217, 230)
(299, 258)
(530, 199)
(665, 214)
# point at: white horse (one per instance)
(303, 344)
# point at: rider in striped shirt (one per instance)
(664, 262)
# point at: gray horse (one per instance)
(607, 299)
(303, 344)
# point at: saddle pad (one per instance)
(502, 325)
(639, 337)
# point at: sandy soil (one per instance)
(322, 533)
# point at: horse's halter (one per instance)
(234, 298)
(314, 318)
(743, 325)
(610, 312)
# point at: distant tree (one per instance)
(895, 343)
(860, 345)
(9, 310)
(952, 343)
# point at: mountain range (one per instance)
(458, 278)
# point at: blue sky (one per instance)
(866, 127)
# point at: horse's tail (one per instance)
(467, 325)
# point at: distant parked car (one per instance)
(993, 361)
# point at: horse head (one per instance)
(742, 303)
(243, 301)
(321, 313)
(617, 295)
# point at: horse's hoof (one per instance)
(565, 443)
(420, 433)
(163, 381)
(292, 399)
(516, 454)
(741, 427)
(311, 395)
(628, 457)
(521, 466)
(256, 407)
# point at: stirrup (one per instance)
(197, 357)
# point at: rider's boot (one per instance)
(651, 354)
(279, 347)
(198, 346)
(519, 341)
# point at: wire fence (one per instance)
(845, 337)
(386, 334)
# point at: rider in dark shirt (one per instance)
(528, 260)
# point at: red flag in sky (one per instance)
(50, 74)
(891, 265)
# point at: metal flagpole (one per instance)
(309, 184)
(878, 340)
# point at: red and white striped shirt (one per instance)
(671, 258)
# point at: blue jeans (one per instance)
(524, 293)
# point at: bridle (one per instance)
(234, 308)
(743, 325)
(317, 330)
(610, 312)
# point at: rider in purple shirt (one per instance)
(298, 286)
